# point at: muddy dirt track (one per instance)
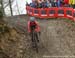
(57, 38)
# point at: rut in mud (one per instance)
(57, 39)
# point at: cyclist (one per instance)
(33, 24)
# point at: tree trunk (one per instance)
(2, 6)
(10, 7)
(1, 13)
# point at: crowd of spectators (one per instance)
(52, 3)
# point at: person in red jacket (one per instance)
(66, 2)
(33, 25)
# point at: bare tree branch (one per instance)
(7, 4)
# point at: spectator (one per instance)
(39, 3)
(46, 4)
(36, 4)
(55, 3)
(49, 3)
(73, 3)
(66, 3)
(52, 3)
(27, 4)
(62, 3)
(43, 4)
(58, 3)
(33, 4)
(70, 3)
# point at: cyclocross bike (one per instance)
(34, 37)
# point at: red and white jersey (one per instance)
(37, 27)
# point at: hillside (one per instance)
(57, 38)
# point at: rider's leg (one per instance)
(31, 37)
(39, 33)
(37, 37)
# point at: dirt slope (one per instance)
(57, 39)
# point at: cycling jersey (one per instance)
(32, 26)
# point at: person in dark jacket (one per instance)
(58, 3)
(33, 4)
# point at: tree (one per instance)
(1, 9)
(10, 7)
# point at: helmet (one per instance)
(32, 19)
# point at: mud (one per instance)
(57, 39)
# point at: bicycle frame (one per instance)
(34, 38)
